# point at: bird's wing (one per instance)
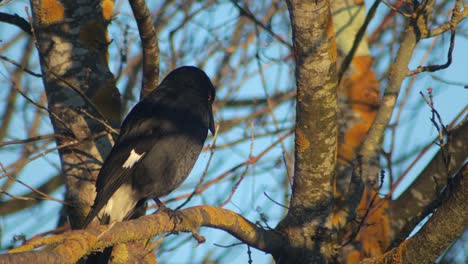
(116, 170)
(137, 134)
(149, 122)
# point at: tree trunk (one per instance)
(71, 38)
(307, 226)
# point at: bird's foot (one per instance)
(174, 215)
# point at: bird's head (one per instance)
(191, 86)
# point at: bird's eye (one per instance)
(210, 98)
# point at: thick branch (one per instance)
(458, 16)
(397, 73)
(408, 209)
(447, 223)
(75, 244)
(149, 42)
(17, 21)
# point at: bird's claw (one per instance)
(174, 215)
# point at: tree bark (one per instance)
(418, 200)
(307, 225)
(71, 38)
(447, 223)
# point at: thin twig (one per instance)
(29, 140)
(20, 66)
(271, 199)
(360, 34)
(437, 67)
(46, 196)
(369, 208)
(245, 12)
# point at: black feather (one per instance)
(168, 129)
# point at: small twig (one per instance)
(40, 107)
(229, 246)
(123, 53)
(270, 105)
(20, 66)
(360, 34)
(244, 12)
(55, 231)
(371, 204)
(437, 67)
(442, 130)
(200, 239)
(18, 197)
(271, 199)
(99, 120)
(44, 195)
(29, 140)
(437, 78)
(234, 188)
(455, 19)
(4, 2)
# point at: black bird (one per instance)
(159, 142)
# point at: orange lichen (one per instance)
(50, 11)
(120, 253)
(331, 34)
(302, 143)
(107, 9)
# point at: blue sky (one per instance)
(249, 199)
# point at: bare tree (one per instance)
(314, 185)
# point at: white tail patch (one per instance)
(120, 203)
(132, 159)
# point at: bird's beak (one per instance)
(212, 123)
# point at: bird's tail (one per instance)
(104, 256)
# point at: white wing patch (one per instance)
(132, 159)
(120, 203)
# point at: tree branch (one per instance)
(447, 223)
(408, 209)
(14, 205)
(16, 20)
(245, 12)
(149, 43)
(397, 73)
(306, 223)
(76, 244)
(357, 40)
